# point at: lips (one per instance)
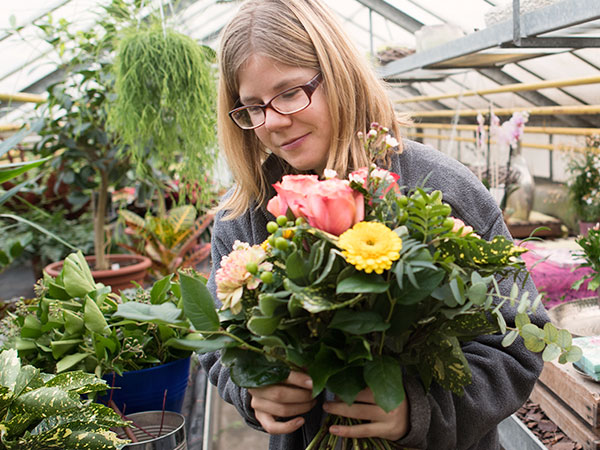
(294, 143)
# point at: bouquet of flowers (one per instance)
(358, 282)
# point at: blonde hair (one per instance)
(301, 33)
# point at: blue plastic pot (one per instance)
(144, 390)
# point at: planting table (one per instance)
(572, 401)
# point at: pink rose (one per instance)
(461, 228)
(333, 206)
(292, 191)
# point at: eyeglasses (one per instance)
(290, 101)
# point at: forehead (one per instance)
(261, 76)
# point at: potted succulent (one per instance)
(40, 411)
(75, 323)
(584, 184)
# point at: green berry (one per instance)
(448, 223)
(267, 277)
(300, 221)
(281, 243)
(282, 221)
(445, 209)
(403, 200)
(272, 227)
(252, 267)
(272, 241)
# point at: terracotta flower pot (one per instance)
(131, 268)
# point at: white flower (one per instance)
(391, 141)
(329, 174)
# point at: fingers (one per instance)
(279, 409)
(377, 422)
(299, 379)
(273, 426)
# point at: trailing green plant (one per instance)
(165, 102)
(590, 246)
(39, 411)
(172, 241)
(584, 182)
(76, 323)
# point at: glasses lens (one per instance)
(291, 101)
(250, 117)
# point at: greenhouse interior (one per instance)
(199, 251)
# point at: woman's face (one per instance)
(303, 138)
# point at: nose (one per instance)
(275, 120)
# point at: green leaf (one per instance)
(533, 337)
(70, 361)
(143, 312)
(550, 333)
(160, 289)
(10, 366)
(477, 293)
(297, 267)
(263, 326)
(428, 280)
(324, 365)
(358, 322)
(250, 369)
(564, 339)
(362, 282)
(268, 303)
(93, 318)
(78, 381)
(46, 401)
(384, 376)
(198, 304)
(510, 338)
(59, 348)
(73, 322)
(347, 383)
(574, 354)
(201, 345)
(551, 352)
(77, 277)
(522, 320)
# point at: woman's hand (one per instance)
(391, 426)
(291, 398)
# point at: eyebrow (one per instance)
(278, 88)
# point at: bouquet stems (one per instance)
(323, 440)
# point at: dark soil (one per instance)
(545, 430)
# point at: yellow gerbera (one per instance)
(370, 246)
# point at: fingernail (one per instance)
(299, 421)
(334, 429)
(308, 383)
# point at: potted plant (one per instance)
(584, 184)
(39, 410)
(76, 323)
(171, 241)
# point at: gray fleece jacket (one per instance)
(439, 420)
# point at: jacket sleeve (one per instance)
(503, 378)
(221, 244)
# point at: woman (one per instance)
(293, 93)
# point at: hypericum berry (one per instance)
(403, 200)
(300, 221)
(267, 277)
(252, 267)
(282, 221)
(272, 241)
(446, 209)
(281, 243)
(272, 227)
(448, 223)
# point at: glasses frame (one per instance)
(308, 88)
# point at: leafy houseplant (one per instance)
(40, 411)
(165, 102)
(590, 244)
(584, 182)
(75, 323)
(87, 153)
(172, 241)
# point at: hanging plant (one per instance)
(164, 109)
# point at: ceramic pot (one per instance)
(131, 268)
